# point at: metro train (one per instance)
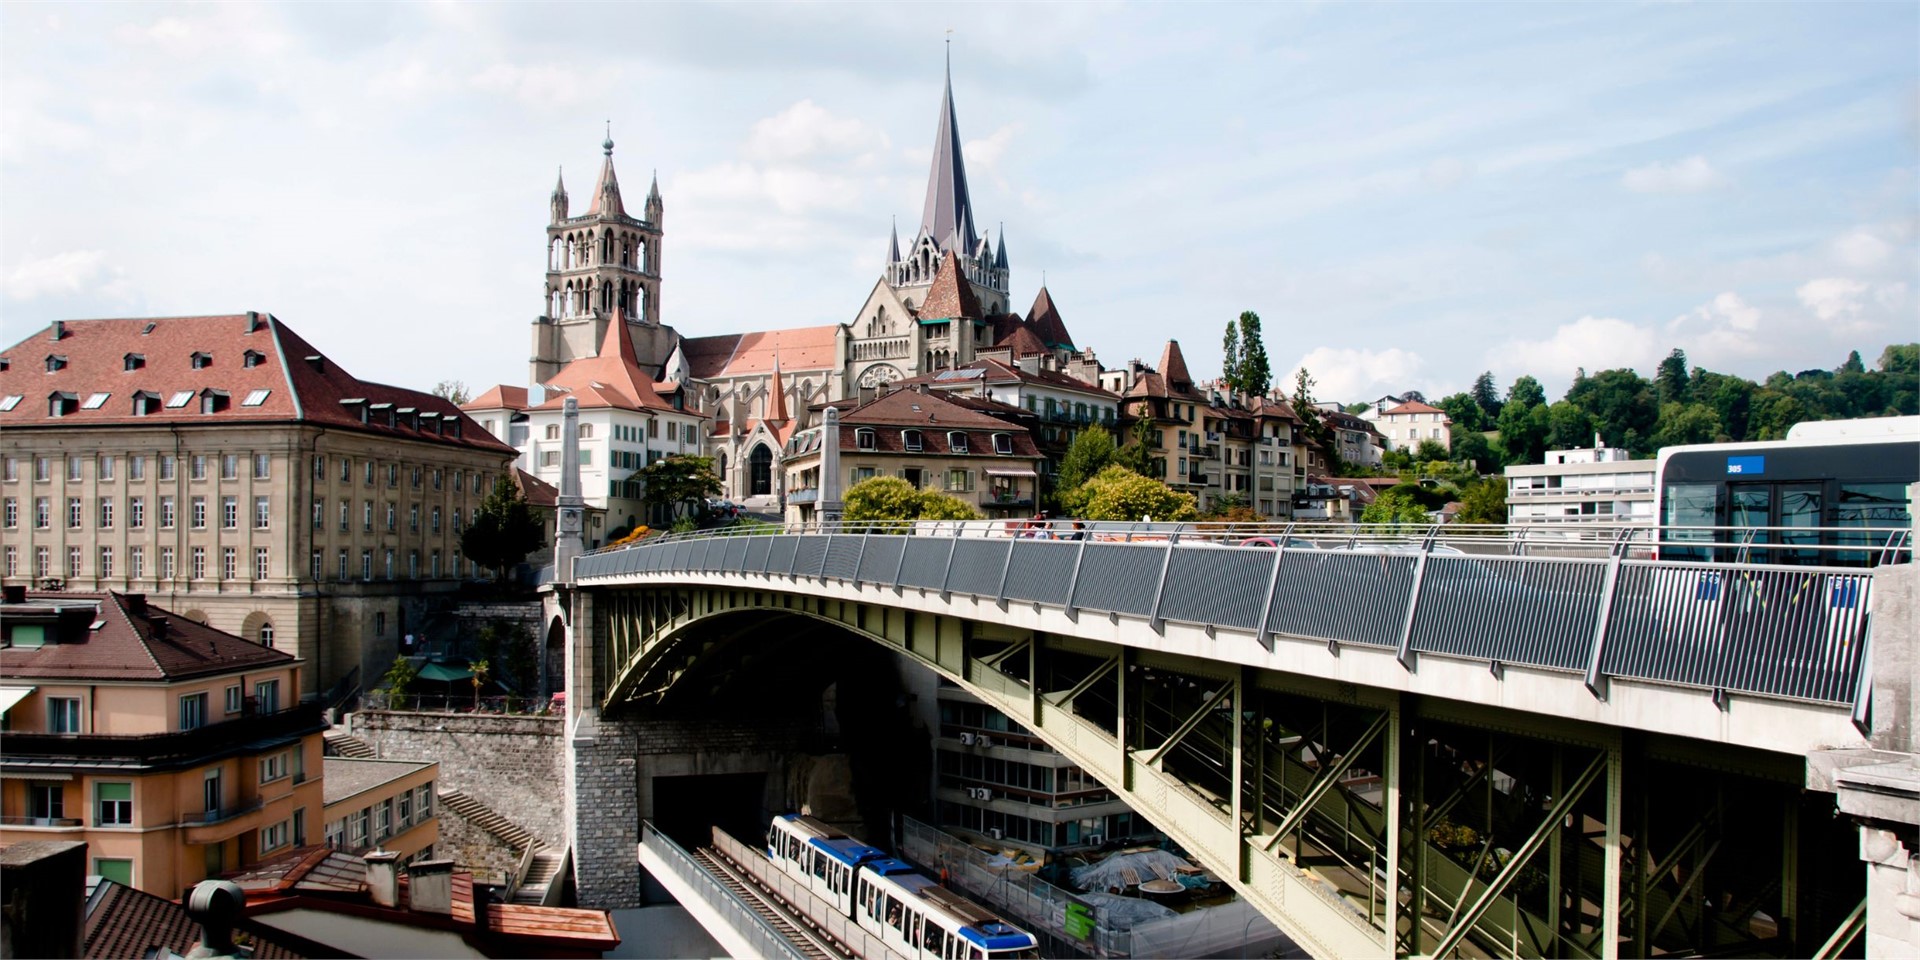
(912, 914)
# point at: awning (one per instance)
(444, 673)
(1009, 472)
(11, 696)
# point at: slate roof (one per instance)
(948, 215)
(951, 296)
(1023, 342)
(126, 645)
(801, 349)
(289, 380)
(934, 416)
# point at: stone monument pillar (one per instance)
(571, 509)
(829, 510)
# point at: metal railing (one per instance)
(167, 749)
(1796, 632)
(836, 926)
(228, 812)
(740, 915)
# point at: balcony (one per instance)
(223, 814)
(55, 822)
(803, 496)
(158, 750)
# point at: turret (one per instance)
(559, 198)
(654, 207)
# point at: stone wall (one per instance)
(515, 764)
(490, 858)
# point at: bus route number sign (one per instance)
(1746, 466)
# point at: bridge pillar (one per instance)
(1881, 788)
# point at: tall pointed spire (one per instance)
(606, 195)
(559, 199)
(776, 395)
(948, 217)
(893, 245)
(1000, 256)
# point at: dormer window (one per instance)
(133, 361)
(865, 439)
(1003, 443)
(60, 403)
(359, 408)
(383, 412)
(252, 358)
(145, 403)
(912, 440)
(201, 361)
(957, 442)
(213, 401)
(56, 363)
(405, 415)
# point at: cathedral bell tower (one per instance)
(599, 262)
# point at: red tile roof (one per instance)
(288, 381)
(1045, 320)
(127, 645)
(124, 922)
(535, 491)
(951, 296)
(934, 416)
(1414, 406)
(611, 378)
(802, 349)
(1023, 342)
(498, 396)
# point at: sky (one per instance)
(1407, 194)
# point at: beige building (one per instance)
(931, 441)
(1406, 425)
(173, 750)
(386, 804)
(233, 473)
(1586, 486)
(1211, 442)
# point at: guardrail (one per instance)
(167, 749)
(840, 928)
(1794, 632)
(766, 941)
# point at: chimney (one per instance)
(159, 628)
(253, 320)
(482, 905)
(215, 905)
(136, 603)
(383, 877)
(59, 329)
(16, 593)
(867, 395)
(430, 886)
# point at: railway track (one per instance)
(770, 909)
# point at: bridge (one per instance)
(1427, 748)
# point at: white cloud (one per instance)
(63, 273)
(806, 130)
(547, 87)
(1861, 249)
(1447, 172)
(1721, 329)
(1349, 374)
(1835, 300)
(1595, 343)
(1692, 175)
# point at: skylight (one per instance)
(96, 401)
(256, 398)
(11, 401)
(180, 399)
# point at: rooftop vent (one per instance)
(253, 320)
(59, 330)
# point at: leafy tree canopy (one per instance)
(1395, 508)
(1486, 396)
(1483, 502)
(1092, 450)
(680, 480)
(503, 530)
(1117, 493)
(1246, 368)
(453, 391)
(894, 499)
(1138, 454)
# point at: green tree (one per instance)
(1486, 396)
(1623, 406)
(1524, 426)
(1140, 454)
(511, 646)
(1483, 502)
(1313, 426)
(1568, 427)
(503, 530)
(1117, 493)
(1853, 364)
(1464, 412)
(398, 677)
(1395, 508)
(674, 483)
(1526, 392)
(1230, 356)
(1430, 449)
(1670, 383)
(452, 391)
(1686, 423)
(1470, 448)
(1253, 375)
(882, 499)
(1089, 454)
(1900, 359)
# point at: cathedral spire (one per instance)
(559, 198)
(948, 217)
(606, 195)
(893, 245)
(1000, 257)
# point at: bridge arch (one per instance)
(1215, 744)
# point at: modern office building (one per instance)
(1586, 486)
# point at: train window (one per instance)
(893, 913)
(934, 937)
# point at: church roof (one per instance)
(951, 296)
(1173, 366)
(1023, 342)
(777, 395)
(613, 378)
(742, 354)
(606, 194)
(948, 216)
(1045, 320)
(499, 396)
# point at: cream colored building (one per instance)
(173, 750)
(1406, 425)
(387, 804)
(230, 471)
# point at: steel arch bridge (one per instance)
(1454, 806)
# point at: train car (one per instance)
(820, 856)
(916, 917)
(1838, 484)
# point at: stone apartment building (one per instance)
(175, 751)
(231, 471)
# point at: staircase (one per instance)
(342, 744)
(540, 874)
(484, 817)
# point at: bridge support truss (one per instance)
(1362, 821)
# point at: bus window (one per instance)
(1749, 507)
(1862, 507)
(1689, 505)
(1800, 512)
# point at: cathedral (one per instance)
(941, 301)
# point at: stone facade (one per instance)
(514, 764)
(491, 859)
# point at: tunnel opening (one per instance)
(686, 807)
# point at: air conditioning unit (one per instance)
(986, 794)
(967, 738)
(1095, 839)
(996, 833)
(984, 740)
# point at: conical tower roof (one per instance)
(948, 216)
(606, 194)
(950, 296)
(776, 395)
